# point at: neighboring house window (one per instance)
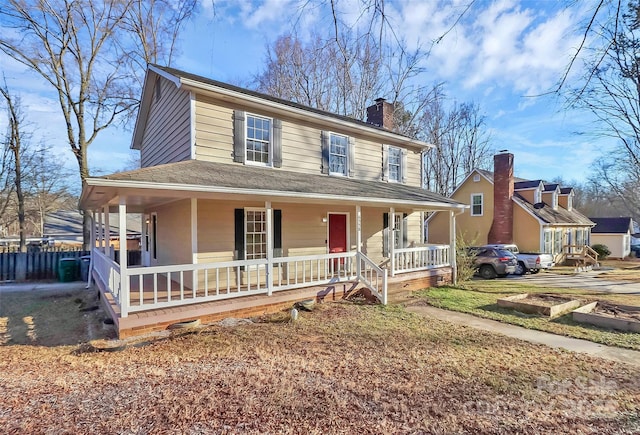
(537, 196)
(570, 202)
(580, 238)
(554, 201)
(258, 139)
(476, 204)
(395, 164)
(338, 152)
(476, 178)
(548, 242)
(255, 234)
(557, 242)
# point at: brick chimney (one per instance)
(502, 226)
(381, 114)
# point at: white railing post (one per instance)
(93, 246)
(452, 247)
(124, 277)
(384, 286)
(101, 231)
(107, 232)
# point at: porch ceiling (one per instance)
(208, 180)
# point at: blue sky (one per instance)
(499, 55)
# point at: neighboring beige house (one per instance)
(537, 216)
(615, 233)
(251, 202)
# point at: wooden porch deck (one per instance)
(400, 288)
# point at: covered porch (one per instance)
(192, 268)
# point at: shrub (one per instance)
(602, 250)
(464, 261)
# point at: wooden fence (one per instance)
(38, 265)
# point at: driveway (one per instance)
(583, 280)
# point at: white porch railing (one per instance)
(109, 272)
(421, 258)
(373, 276)
(149, 288)
(306, 271)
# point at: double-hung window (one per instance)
(255, 234)
(338, 152)
(476, 204)
(258, 147)
(395, 164)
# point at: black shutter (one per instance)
(277, 233)
(277, 143)
(239, 142)
(325, 152)
(385, 162)
(405, 231)
(239, 233)
(385, 234)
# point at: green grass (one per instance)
(480, 298)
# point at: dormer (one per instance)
(550, 194)
(565, 199)
(530, 190)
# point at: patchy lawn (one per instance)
(480, 298)
(341, 369)
(51, 318)
(624, 270)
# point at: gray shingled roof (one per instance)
(235, 176)
(559, 216)
(612, 225)
(526, 184)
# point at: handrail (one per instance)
(373, 276)
(420, 258)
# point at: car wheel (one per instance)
(534, 271)
(487, 272)
(520, 268)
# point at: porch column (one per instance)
(269, 216)
(94, 234)
(358, 239)
(107, 233)
(452, 247)
(100, 232)
(194, 244)
(124, 278)
(392, 242)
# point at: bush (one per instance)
(464, 261)
(602, 250)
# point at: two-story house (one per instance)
(536, 215)
(251, 202)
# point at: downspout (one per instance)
(452, 244)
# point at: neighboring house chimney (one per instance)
(381, 114)
(502, 226)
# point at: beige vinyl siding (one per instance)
(528, 194)
(167, 135)
(527, 231)
(173, 233)
(474, 230)
(301, 143)
(214, 131)
(618, 244)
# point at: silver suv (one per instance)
(491, 262)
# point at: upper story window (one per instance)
(537, 196)
(395, 164)
(554, 200)
(476, 204)
(338, 154)
(258, 139)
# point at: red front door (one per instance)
(337, 233)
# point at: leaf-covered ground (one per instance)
(340, 369)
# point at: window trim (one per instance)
(481, 195)
(269, 162)
(346, 155)
(391, 148)
(250, 209)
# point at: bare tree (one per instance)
(610, 91)
(461, 141)
(15, 143)
(85, 51)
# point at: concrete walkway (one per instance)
(51, 286)
(582, 280)
(552, 340)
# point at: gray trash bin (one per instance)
(85, 261)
